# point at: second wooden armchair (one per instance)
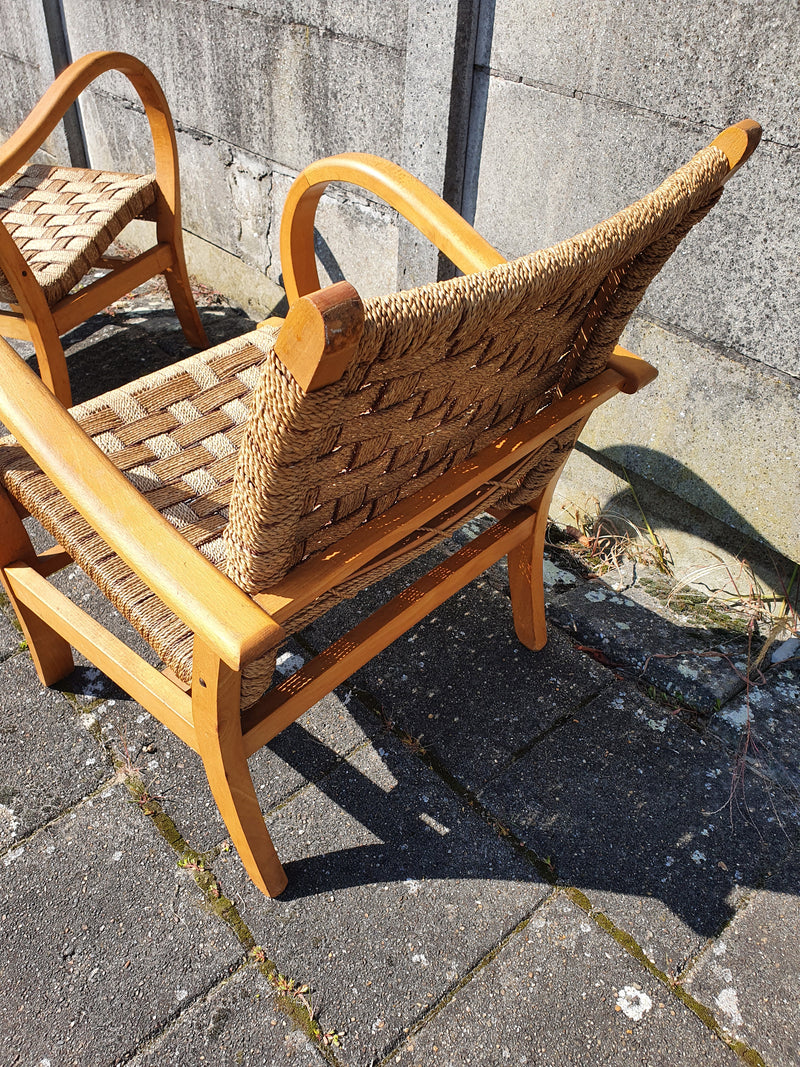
(57, 222)
(230, 499)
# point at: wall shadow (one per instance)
(717, 521)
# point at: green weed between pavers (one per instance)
(292, 997)
(632, 947)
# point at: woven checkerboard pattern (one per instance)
(176, 435)
(63, 219)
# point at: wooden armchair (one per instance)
(57, 222)
(230, 499)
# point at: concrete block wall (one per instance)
(579, 108)
(258, 90)
(27, 70)
(535, 120)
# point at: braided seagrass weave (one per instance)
(63, 219)
(442, 371)
(176, 435)
(259, 474)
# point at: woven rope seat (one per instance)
(176, 435)
(63, 219)
(260, 475)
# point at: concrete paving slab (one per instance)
(703, 678)
(680, 660)
(48, 760)
(593, 1005)
(635, 809)
(10, 635)
(749, 976)
(102, 938)
(464, 685)
(237, 1025)
(761, 725)
(304, 752)
(103, 354)
(396, 891)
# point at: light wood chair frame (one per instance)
(231, 628)
(31, 318)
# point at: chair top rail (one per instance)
(434, 218)
(68, 86)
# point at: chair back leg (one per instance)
(218, 726)
(50, 357)
(177, 278)
(37, 324)
(526, 574)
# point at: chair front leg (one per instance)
(526, 574)
(168, 228)
(51, 653)
(38, 318)
(217, 720)
(526, 584)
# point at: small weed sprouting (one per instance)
(288, 987)
(606, 541)
(190, 861)
(296, 995)
(124, 761)
(413, 743)
(331, 1037)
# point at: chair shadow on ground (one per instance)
(613, 795)
(610, 793)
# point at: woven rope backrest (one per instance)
(442, 371)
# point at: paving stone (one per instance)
(48, 760)
(463, 684)
(396, 891)
(102, 938)
(103, 354)
(636, 810)
(562, 992)
(762, 726)
(237, 1025)
(689, 662)
(221, 324)
(10, 636)
(704, 678)
(175, 774)
(750, 975)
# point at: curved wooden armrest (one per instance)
(203, 598)
(401, 190)
(68, 86)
